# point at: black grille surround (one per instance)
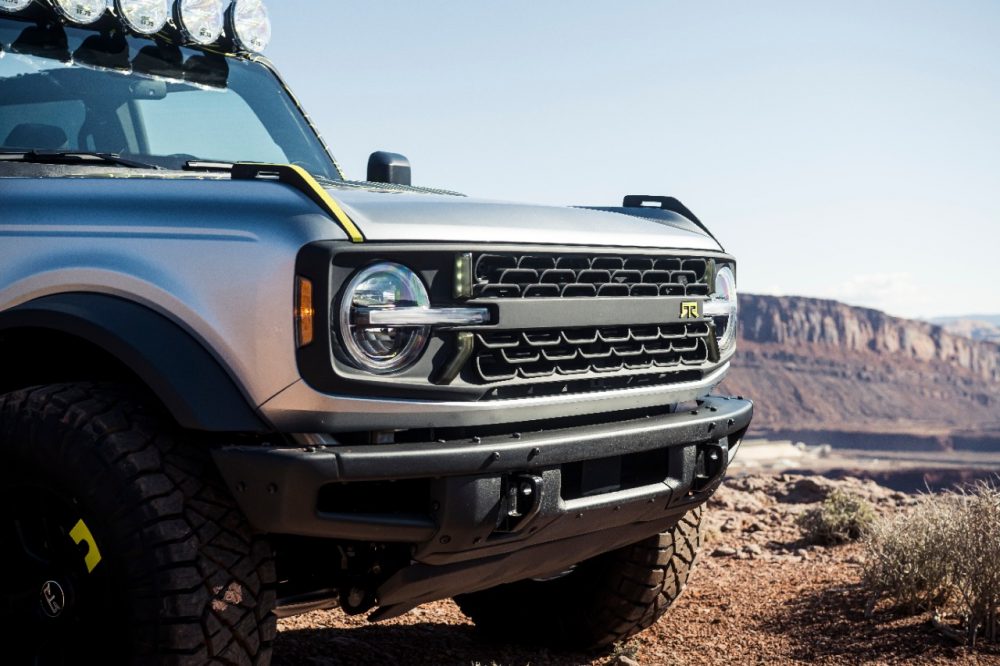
(534, 316)
(606, 354)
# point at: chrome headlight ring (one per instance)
(723, 307)
(385, 319)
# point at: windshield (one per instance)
(158, 104)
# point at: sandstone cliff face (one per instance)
(820, 365)
(777, 320)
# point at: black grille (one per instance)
(581, 276)
(547, 353)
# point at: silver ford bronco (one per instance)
(236, 386)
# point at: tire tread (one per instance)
(182, 541)
(605, 601)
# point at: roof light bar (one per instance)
(12, 6)
(200, 21)
(146, 17)
(82, 12)
(242, 25)
(250, 25)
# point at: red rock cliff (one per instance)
(822, 365)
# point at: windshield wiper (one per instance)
(72, 157)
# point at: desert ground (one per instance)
(758, 595)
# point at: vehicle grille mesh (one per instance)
(581, 276)
(546, 353)
(577, 359)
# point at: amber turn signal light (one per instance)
(305, 313)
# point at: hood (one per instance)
(403, 216)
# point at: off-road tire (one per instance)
(181, 580)
(602, 601)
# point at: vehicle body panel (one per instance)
(215, 256)
(218, 257)
(421, 217)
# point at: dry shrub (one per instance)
(839, 519)
(942, 555)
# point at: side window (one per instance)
(182, 123)
(42, 126)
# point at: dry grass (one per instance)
(943, 555)
(839, 519)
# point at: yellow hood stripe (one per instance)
(303, 181)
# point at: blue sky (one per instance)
(848, 150)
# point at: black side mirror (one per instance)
(390, 168)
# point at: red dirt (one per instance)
(758, 595)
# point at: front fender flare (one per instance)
(193, 386)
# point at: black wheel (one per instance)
(121, 543)
(601, 601)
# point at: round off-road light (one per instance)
(146, 17)
(723, 307)
(200, 21)
(250, 25)
(12, 6)
(82, 12)
(381, 288)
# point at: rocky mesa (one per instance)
(822, 369)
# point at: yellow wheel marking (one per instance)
(80, 534)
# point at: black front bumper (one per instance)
(489, 508)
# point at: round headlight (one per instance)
(200, 21)
(14, 5)
(83, 12)
(250, 25)
(145, 17)
(723, 307)
(380, 349)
